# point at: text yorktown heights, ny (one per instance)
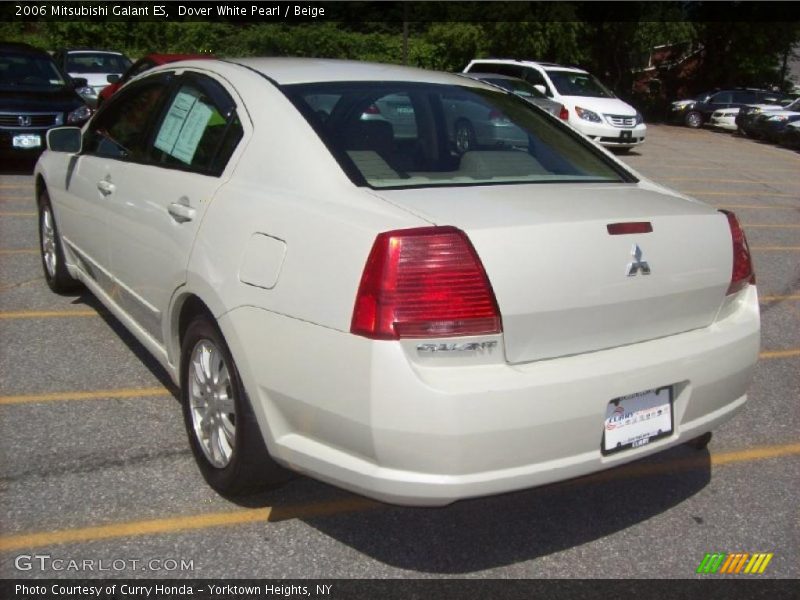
(171, 591)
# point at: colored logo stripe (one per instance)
(723, 563)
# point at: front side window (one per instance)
(419, 135)
(120, 130)
(721, 98)
(570, 83)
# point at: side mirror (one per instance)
(113, 78)
(79, 82)
(65, 139)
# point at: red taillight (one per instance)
(372, 110)
(742, 272)
(424, 283)
(563, 114)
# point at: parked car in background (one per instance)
(724, 118)
(769, 125)
(524, 90)
(96, 66)
(507, 317)
(745, 119)
(140, 66)
(695, 112)
(790, 136)
(35, 96)
(591, 107)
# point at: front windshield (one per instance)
(96, 62)
(521, 88)
(402, 134)
(570, 83)
(21, 71)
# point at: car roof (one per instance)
(515, 61)
(91, 51)
(488, 75)
(162, 59)
(287, 71)
(21, 48)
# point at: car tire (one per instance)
(464, 137)
(701, 442)
(693, 119)
(223, 431)
(52, 252)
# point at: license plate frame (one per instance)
(26, 141)
(626, 135)
(637, 419)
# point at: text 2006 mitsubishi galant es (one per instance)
(343, 289)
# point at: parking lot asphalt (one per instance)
(95, 465)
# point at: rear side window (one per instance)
(199, 128)
(395, 135)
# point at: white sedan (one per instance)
(724, 118)
(401, 316)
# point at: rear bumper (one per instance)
(367, 416)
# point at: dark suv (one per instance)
(696, 111)
(34, 97)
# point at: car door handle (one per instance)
(105, 187)
(180, 212)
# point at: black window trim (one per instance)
(173, 83)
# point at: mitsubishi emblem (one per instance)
(24, 121)
(638, 264)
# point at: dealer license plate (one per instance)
(638, 419)
(26, 141)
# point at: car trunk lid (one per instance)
(564, 284)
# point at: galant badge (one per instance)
(638, 264)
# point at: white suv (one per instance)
(593, 109)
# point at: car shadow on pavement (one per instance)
(87, 299)
(17, 166)
(498, 531)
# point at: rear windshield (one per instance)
(570, 83)
(419, 135)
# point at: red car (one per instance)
(141, 65)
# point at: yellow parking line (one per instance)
(333, 507)
(17, 214)
(723, 168)
(44, 314)
(88, 395)
(780, 353)
(185, 523)
(778, 298)
(776, 248)
(19, 251)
